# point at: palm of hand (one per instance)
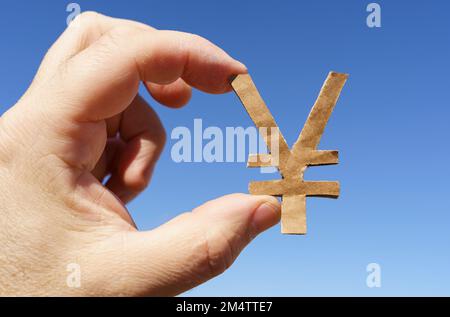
(82, 120)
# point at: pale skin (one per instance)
(81, 120)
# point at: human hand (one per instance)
(82, 120)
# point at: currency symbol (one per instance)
(293, 162)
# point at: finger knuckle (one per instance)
(124, 31)
(161, 140)
(87, 18)
(217, 254)
(195, 38)
(157, 136)
(114, 39)
(139, 184)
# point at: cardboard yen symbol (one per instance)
(292, 163)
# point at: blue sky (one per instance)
(390, 125)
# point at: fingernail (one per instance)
(266, 215)
(242, 66)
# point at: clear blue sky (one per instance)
(391, 126)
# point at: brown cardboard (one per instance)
(292, 163)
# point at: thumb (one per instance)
(196, 246)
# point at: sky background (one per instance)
(391, 126)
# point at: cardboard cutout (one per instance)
(292, 163)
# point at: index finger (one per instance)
(108, 72)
